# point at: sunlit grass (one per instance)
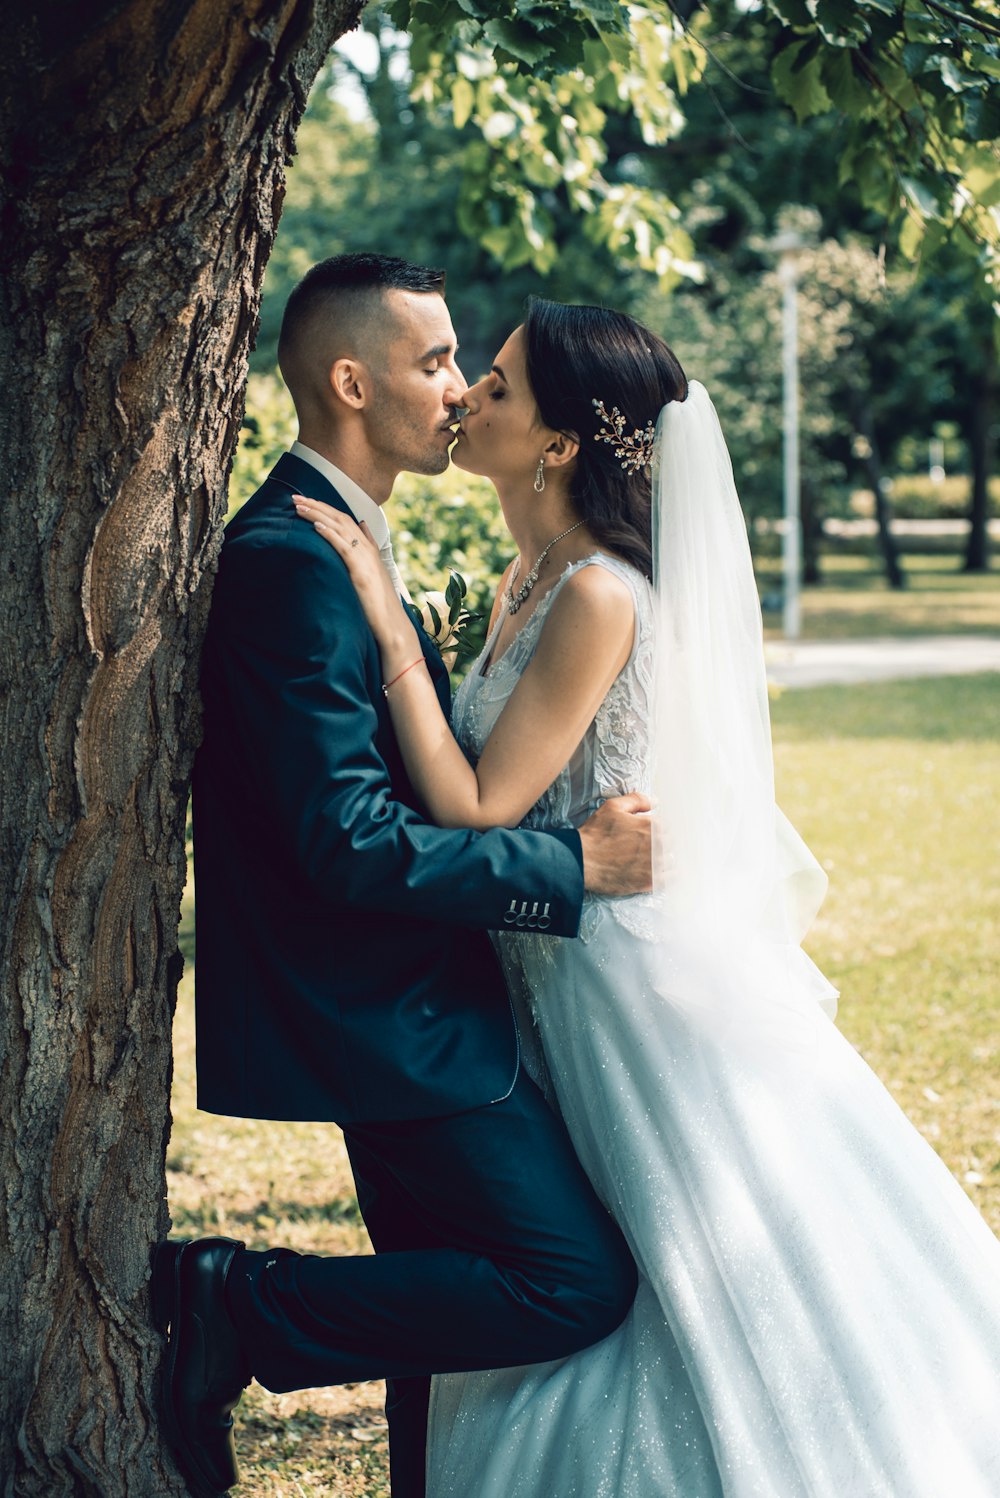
(896, 787)
(854, 601)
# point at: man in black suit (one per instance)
(343, 970)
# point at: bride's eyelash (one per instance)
(496, 395)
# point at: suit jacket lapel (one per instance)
(300, 477)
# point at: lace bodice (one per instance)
(613, 756)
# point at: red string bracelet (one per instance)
(387, 684)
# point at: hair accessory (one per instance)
(632, 452)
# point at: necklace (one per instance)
(515, 600)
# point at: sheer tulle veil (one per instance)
(739, 886)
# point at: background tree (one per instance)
(732, 159)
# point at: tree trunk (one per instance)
(144, 146)
(979, 435)
(812, 535)
(872, 460)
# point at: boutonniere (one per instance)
(458, 631)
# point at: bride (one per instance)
(819, 1302)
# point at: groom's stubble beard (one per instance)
(400, 434)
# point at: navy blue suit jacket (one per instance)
(342, 969)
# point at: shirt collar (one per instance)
(361, 505)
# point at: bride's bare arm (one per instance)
(585, 642)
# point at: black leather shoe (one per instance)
(205, 1371)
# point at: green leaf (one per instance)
(982, 117)
(792, 12)
(520, 42)
(678, 59)
(935, 236)
(453, 598)
(985, 60)
(435, 617)
(867, 168)
(915, 55)
(911, 236)
(981, 175)
(922, 196)
(952, 76)
(849, 93)
(800, 86)
(921, 28)
(841, 22)
(463, 101)
(810, 49)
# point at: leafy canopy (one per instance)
(537, 84)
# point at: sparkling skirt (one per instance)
(819, 1302)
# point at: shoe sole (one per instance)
(164, 1294)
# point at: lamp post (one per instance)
(788, 246)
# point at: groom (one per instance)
(343, 970)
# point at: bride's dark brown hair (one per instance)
(576, 355)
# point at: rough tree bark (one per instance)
(143, 150)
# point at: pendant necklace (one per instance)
(515, 600)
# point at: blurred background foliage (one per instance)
(645, 157)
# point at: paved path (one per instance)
(815, 663)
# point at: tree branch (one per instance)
(969, 18)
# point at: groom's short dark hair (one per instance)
(332, 286)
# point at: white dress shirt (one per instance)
(361, 506)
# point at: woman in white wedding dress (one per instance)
(819, 1303)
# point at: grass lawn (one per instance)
(853, 601)
(896, 787)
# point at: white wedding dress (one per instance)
(819, 1302)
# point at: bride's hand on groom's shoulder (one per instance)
(377, 595)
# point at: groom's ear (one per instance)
(562, 449)
(350, 383)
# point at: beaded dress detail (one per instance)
(818, 1313)
(613, 757)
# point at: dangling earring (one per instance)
(540, 476)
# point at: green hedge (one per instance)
(916, 496)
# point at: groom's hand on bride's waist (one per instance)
(617, 844)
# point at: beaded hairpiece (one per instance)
(632, 452)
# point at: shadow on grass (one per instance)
(334, 1453)
(941, 708)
